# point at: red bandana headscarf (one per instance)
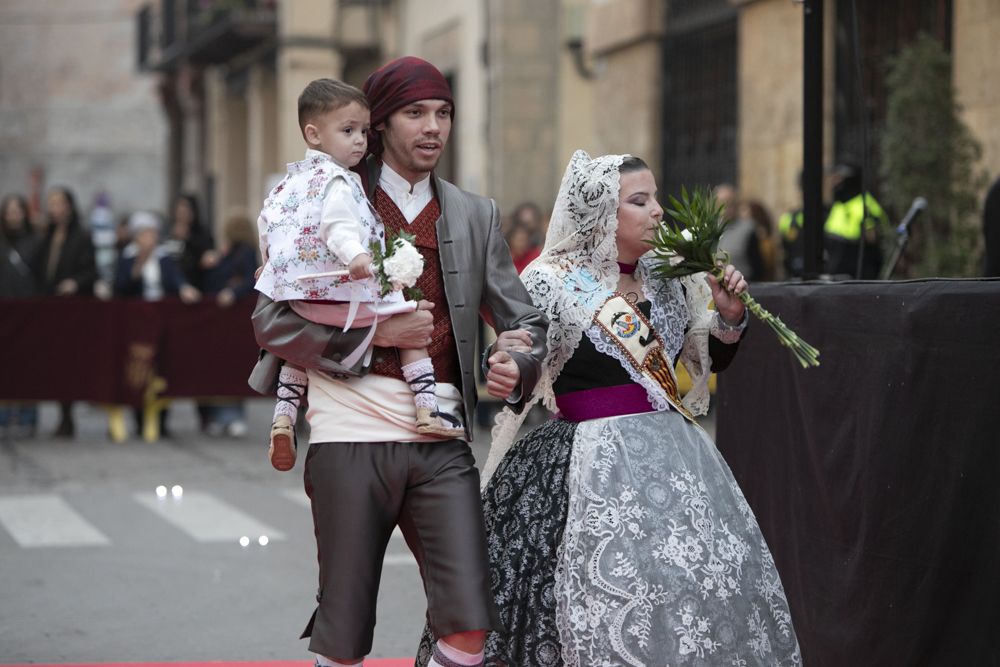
(400, 82)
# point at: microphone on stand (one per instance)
(918, 206)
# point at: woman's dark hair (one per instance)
(517, 222)
(632, 163)
(192, 201)
(74, 212)
(23, 203)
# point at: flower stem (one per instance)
(806, 354)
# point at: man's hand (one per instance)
(410, 331)
(503, 376)
(515, 340)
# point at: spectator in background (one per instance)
(102, 233)
(64, 266)
(524, 234)
(739, 238)
(147, 272)
(18, 244)
(848, 232)
(725, 193)
(231, 277)
(763, 246)
(790, 226)
(188, 242)
(229, 280)
(991, 231)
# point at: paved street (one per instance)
(96, 567)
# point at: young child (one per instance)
(317, 220)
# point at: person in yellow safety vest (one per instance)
(790, 229)
(790, 226)
(846, 227)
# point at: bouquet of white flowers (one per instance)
(399, 266)
(690, 244)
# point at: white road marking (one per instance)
(207, 518)
(46, 520)
(399, 559)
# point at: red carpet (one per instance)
(379, 662)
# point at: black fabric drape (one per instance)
(876, 477)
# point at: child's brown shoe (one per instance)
(438, 423)
(281, 453)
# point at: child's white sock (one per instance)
(420, 376)
(292, 384)
(446, 655)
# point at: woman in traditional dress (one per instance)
(617, 533)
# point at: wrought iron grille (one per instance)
(699, 110)
(884, 28)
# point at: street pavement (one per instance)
(96, 567)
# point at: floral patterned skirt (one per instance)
(626, 541)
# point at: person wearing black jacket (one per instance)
(65, 266)
(188, 242)
(18, 245)
(145, 270)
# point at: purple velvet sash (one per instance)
(623, 399)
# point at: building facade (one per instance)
(706, 91)
(74, 109)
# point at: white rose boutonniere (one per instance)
(399, 266)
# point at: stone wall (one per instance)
(624, 39)
(977, 73)
(523, 69)
(73, 103)
(770, 100)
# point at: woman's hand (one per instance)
(210, 259)
(189, 294)
(726, 295)
(226, 297)
(67, 287)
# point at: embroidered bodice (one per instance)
(296, 236)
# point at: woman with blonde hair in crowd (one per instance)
(229, 280)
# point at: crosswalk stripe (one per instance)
(46, 520)
(207, 518)
(399, 559)
(299, 497)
